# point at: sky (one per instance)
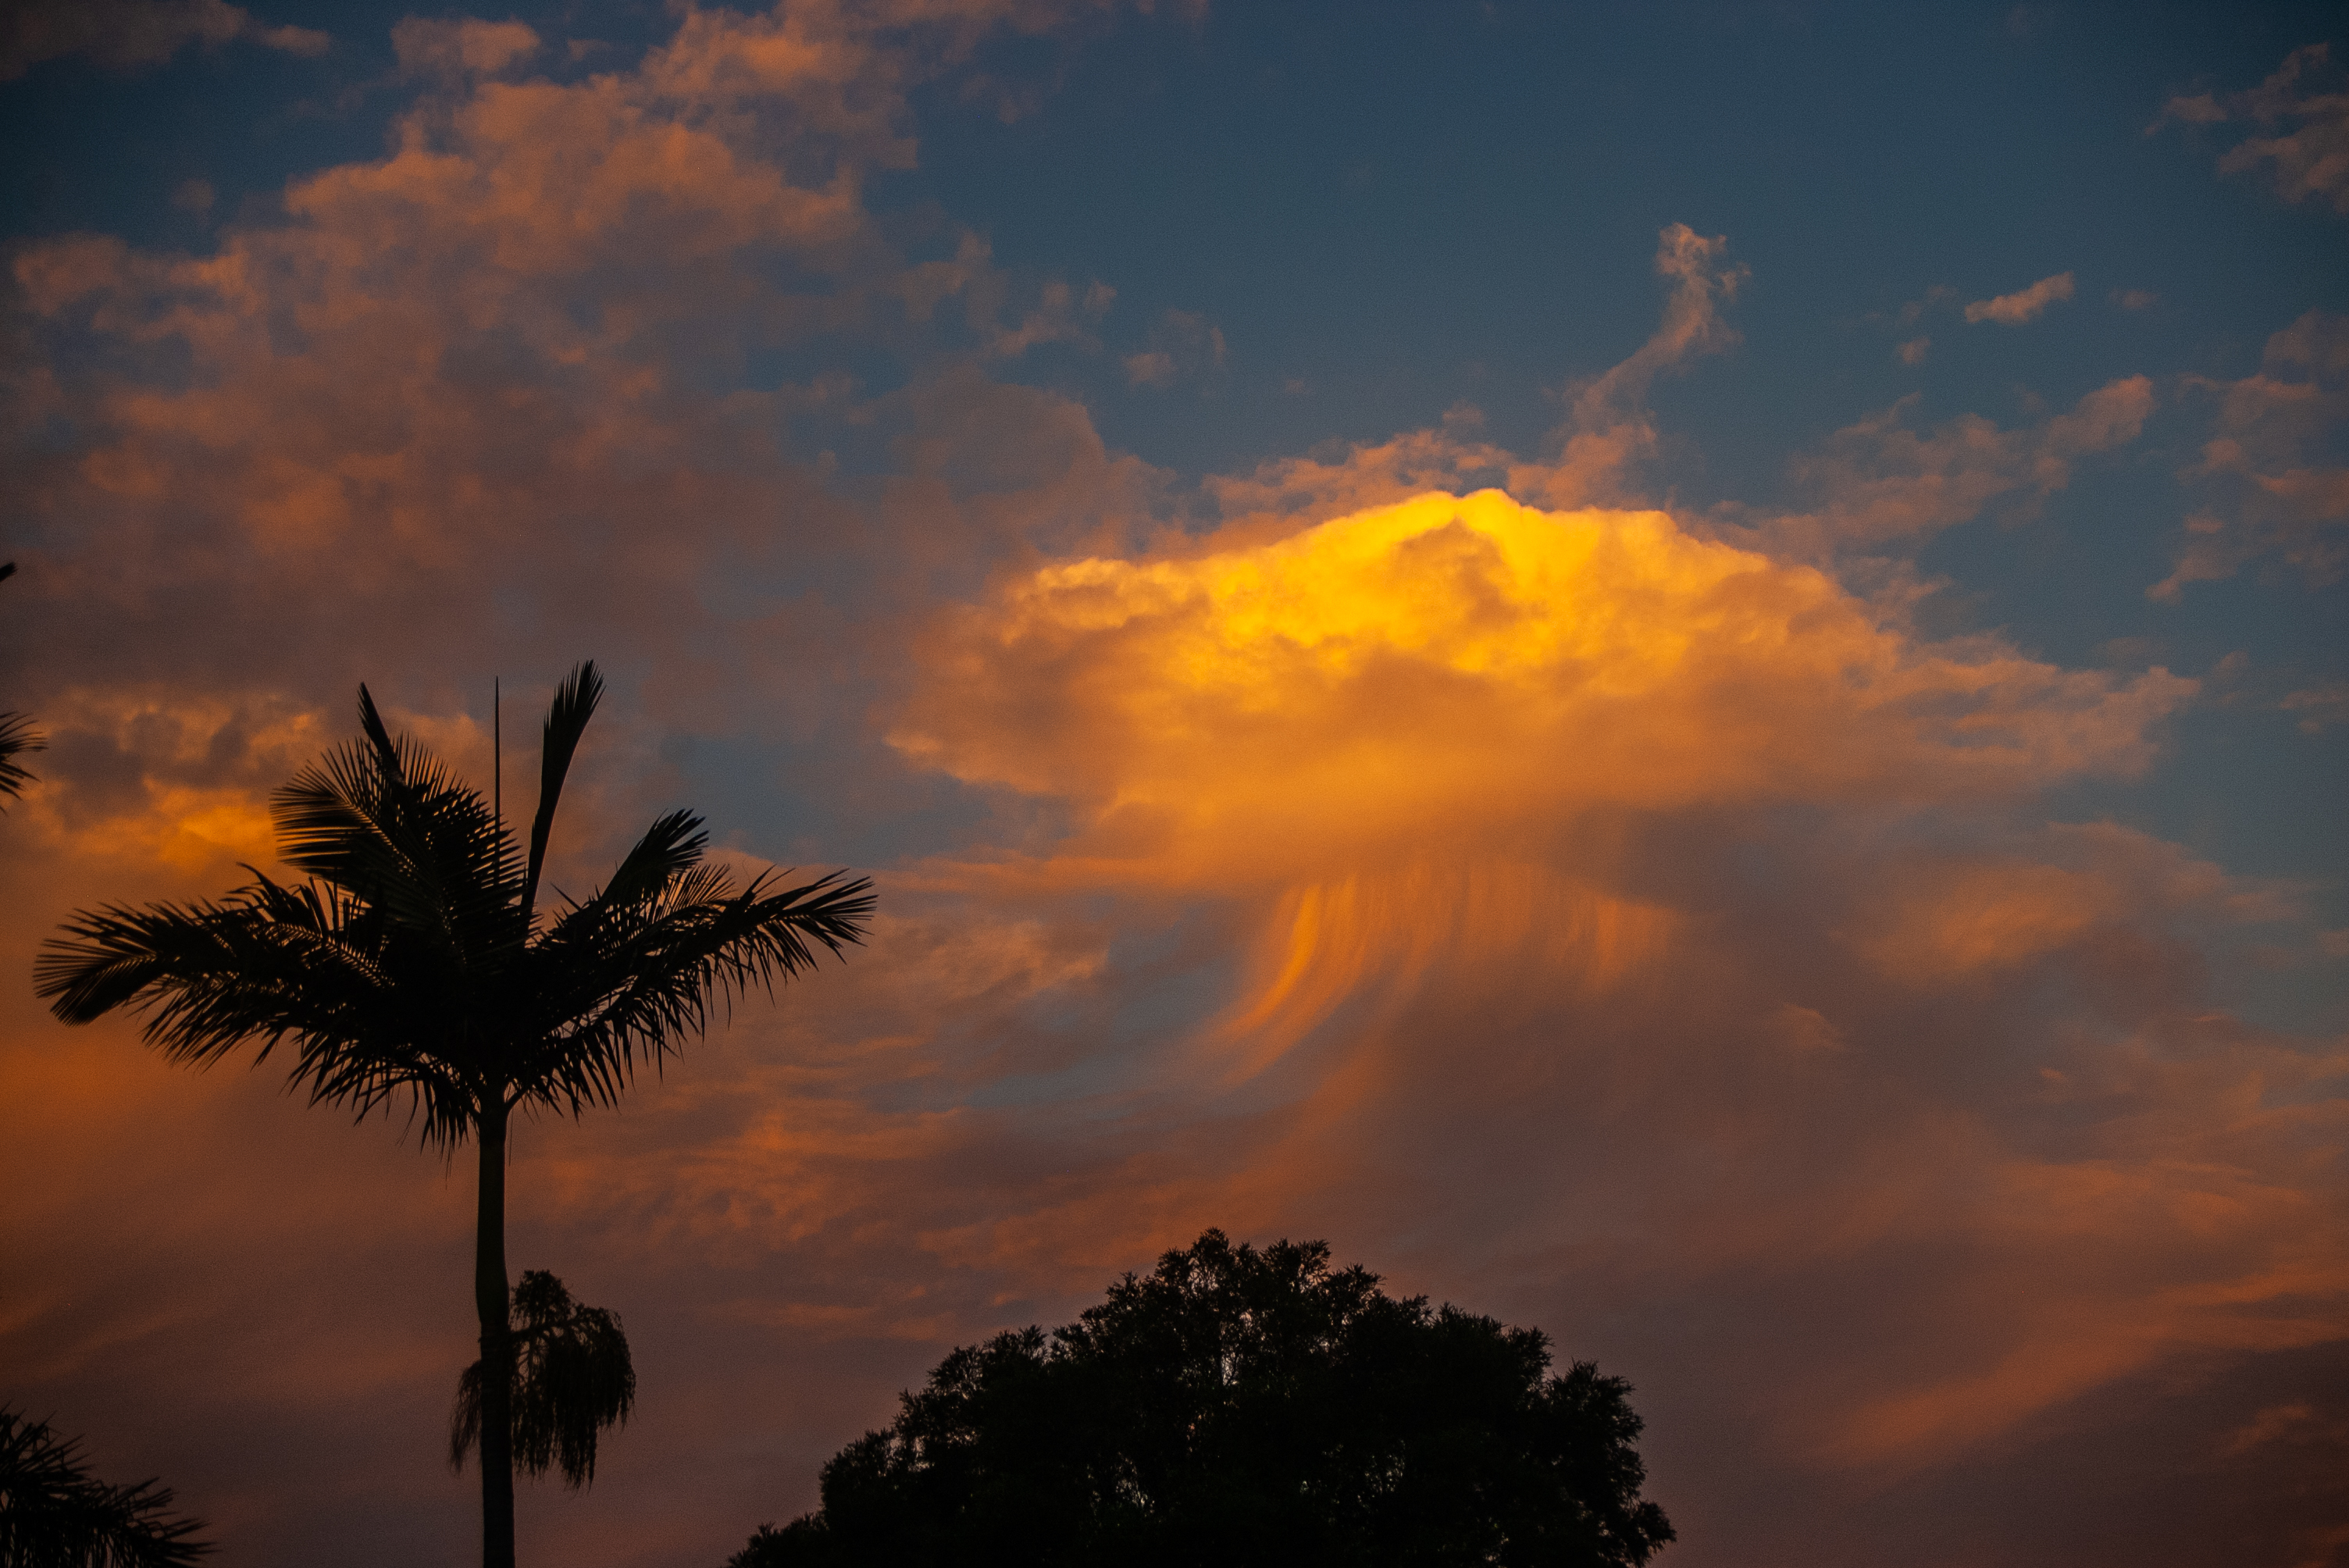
(1675, 671)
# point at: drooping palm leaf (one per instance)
(573, 1377)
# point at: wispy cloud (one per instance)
(1881, 485)
(2270, 494)
(1182, 343)
(2306, 104)
(2023, 305)
(462, 47)
(126, 35)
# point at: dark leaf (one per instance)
(54, 1514)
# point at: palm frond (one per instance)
(54, 1514)
(17, 737)
(620, 983)
(670, 847)
(566, 721)
(389, 822)
(270, 964)
(387, 755)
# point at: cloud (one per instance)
(1608, 431)
(2135, 299)
(125, 35)
(1432, 645)
(460, 46)
(2306, 103)
(1935, 297)
(1466, 786)
(1913, 351)
(1182, 343)
(2015, 309)
(1061, 316)
(445, 360)
(1881, 485)
(479, 405)
(2319, 707)
(2271, 491)
(1596, 453)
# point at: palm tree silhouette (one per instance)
(412, 963)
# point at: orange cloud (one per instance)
(2025, 305)
(1224, 714)
(1469, 783)
(2271, 493)
(1882, 484)
(2308, 161)
(1945, 920)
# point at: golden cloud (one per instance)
(1225, 717)
(1473, 784)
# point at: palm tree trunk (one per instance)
(490, 1298)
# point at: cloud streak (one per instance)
(2023, 305)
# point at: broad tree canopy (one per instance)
(1240, 1406)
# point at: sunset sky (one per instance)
(1676, 671)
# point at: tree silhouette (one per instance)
(17, 735)
(54, 1514)
(412, 963)
(571, 1379)
(1239, 1406)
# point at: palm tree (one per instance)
(412, 964)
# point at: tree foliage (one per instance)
(1242, 1407)
(54, 1514)
(571, 1379)
(412, 962)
